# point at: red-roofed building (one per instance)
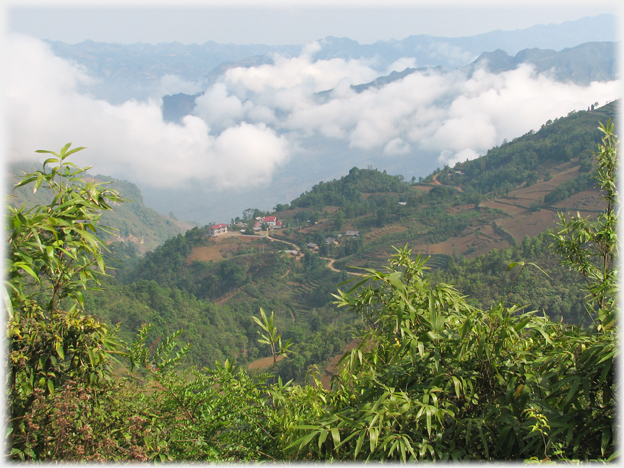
(270, 220)
(217, 229)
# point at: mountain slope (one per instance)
(593, 61)
(133, 222)
(472, 220)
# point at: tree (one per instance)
(270, 336)
(54, 254)
(590, 247)
(339, 219)
(65, 401)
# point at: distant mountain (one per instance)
(134, 222)
(141, 70)
(136, 71)
(394, 76)
(594, 61)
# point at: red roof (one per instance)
(270, 219)
(218, 226)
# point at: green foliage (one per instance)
(590, 247)
(270, 336)
(54, 254)
(568, 188)
(485, 280)
(433, 377)
(436, 379)
(506, 166)
(348, 191)
(218, 414)
(132, 222)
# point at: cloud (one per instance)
(130, 140)
(173, 84)
(456, 115)
(396, 147)
(401, 64)
(252, 120)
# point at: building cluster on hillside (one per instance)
(270, 221)
(332, 240)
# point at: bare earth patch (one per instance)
(264, 362)
(529, 224)
(587, 200)
(473, 243)
(221, 247)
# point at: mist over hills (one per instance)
(581, 64)
(592, 61)
(139, 71)
(206, 131)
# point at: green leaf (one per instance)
(514, 264)
(59, 349)
(604, 440)
(360, 442)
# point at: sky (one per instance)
(275, 23)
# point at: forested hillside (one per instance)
(211, 287)
(213, 301)
(433, 375)
(134, 224)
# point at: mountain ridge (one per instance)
(146, 64)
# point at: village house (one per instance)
(270, 220)
(312, 246)
(217, 229)
(352, 233)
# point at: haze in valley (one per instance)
(264, 128)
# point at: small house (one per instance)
(270, 220)
(217, 229)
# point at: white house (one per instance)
(217, 229)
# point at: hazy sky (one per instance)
(293, 22)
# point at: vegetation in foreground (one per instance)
(434, 377)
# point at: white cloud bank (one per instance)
(249, 123)
(45, 111)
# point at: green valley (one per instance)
(472, 220)
(475, 315)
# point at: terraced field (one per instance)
(226, 246)
(377, 233)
